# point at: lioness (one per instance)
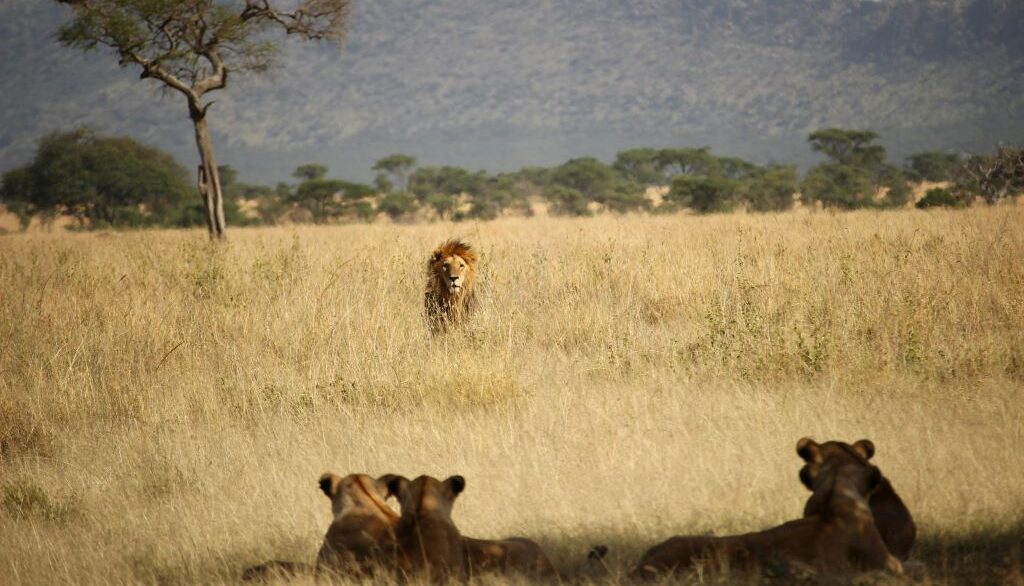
(429, 543)
(514, 555)
(892, 518)
(360, 540)
(451, 274)
(843, 537)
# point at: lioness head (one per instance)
(452, 268)
(357, 491)
(831, 455)
(426, 495)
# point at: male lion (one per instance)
(360, 540)
(451, 272)
(429, 543)
(891, 516)
(842, 538)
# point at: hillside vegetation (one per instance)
(535, 82)
(166, 405)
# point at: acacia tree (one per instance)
(190, 46)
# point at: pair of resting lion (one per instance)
(854, 520)
(367, 538)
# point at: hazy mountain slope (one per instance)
(504, 84)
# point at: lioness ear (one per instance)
(329, 484)
(457, 484)
(864, 447)
(809, 450)
(396, 484)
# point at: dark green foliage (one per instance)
(687, 161)
(894, 182)
(310, 172)
(703, 194)
(932, 166)
(735, 168)
(100, 181)
(566, 201)
(838, 185)
(940, 197)
(398, 167)
(770, 189)
(640, 165)
(850, 147)
(580, 181)
(446, 180)
(327, 199)
(397, 205)
(442, 203)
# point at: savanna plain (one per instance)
(167, 405)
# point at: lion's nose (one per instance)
(453, 278)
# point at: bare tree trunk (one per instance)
(209, 177)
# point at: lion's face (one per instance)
(453, 272)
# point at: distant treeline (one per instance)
(117, 182)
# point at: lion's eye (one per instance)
(446, 265)
(462, 265)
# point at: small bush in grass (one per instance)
(940, 197)
(25, 499)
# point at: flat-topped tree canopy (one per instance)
(191, 46)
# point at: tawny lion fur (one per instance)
(891, 516)
(360, 541)
(841, 539)
(511, 556)
(429, 544)
(451, 275)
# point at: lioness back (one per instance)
(514, 555)
(891, 515)
(361, 538)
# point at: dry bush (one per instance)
(624, 379)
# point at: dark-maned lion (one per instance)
(842, 538)
(451, 274)
(514, 555)
(429, 544)
(892, 518)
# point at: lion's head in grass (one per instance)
(451, 274)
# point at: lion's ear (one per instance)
(809, 450)
(396, 484)
(456, 484)
(865, 448)
(329, 484)
(436, 256)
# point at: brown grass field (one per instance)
(167, 405)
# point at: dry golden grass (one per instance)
(166, 406)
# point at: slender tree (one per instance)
(191, 46)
